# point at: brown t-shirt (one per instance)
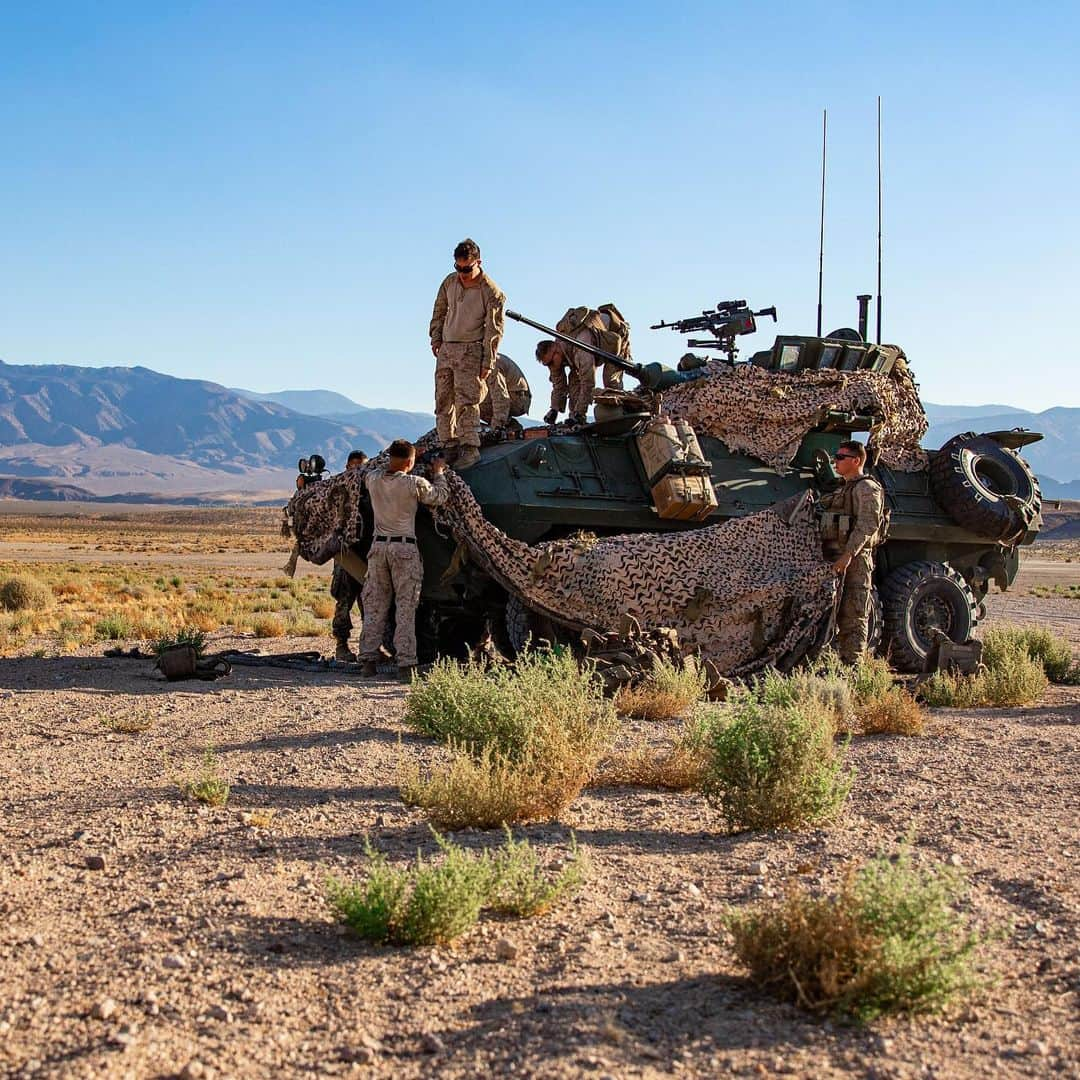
(464, 314)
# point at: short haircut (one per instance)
(401, 449)
(856, 448)
(467, 249)
(356, 455)
(544, 348)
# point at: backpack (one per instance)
(886, 513)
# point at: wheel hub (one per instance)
(933, 613)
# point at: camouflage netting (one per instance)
(768, 413)
(748, 593)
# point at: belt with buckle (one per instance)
(395, 539)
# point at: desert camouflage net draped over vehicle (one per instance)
(768, 413)
(323, 518)
(748, 593)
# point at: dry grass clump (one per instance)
(889, 941)
(323, 608)
(25, 594)
(129, 724)
(268, 626)
(186, 635)
(773, 761)
(864, 697)
(524, 741)
(670, 768)
(433, 903)
(1044, 646)
(668, 692)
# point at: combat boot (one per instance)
(368, 670)
(344, 654)
(450, 453)
(467, 459)
(405, 673)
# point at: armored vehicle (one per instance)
(956, 527)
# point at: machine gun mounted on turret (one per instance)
(724, 323)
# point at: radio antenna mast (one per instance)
(821, 239)
(879, 219)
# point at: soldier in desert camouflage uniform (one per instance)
(395, 572)
(508, 394)
(466, 328)
(344, 588)
(859, 506)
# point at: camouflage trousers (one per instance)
(461, 372)
(395, 574)
(581, 380)
(495, 408)
(345, 590)
(853, 618)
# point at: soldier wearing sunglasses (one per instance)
(466, 328)
(858, 509)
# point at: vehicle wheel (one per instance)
(874, 627)
(919, 598)
(524, 625)
(984, 487)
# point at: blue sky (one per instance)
(267, 195)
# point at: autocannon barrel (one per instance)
(628, 366)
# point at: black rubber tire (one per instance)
(920, 596)
(971, 474)
(875, 624)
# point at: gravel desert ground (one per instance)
(144, 935)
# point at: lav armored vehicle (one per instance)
(955, 529)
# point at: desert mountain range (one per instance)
(69, 432)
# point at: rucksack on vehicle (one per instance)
(615, 339)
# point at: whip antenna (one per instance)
(878, 220)
(821, 239)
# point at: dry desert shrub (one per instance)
(25, 594)
(323, 608)
(888, 941)
(864, 696)
(773, 763)
(268, 626)
(666, 693)
(524, 742)
(1010, 676)
(1044, 646)
(207, 785)
(129, 724)
(434, 903)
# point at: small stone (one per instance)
(433, 1044)
(362, 1055)
(175, 962)
(103, 1009)
(641, 897)
(219, 1012)
(691, 889)
(371, 1043)
(1042, 928)
(506, 950)
(36, 940)
(675, 956)
(955, 859)
(595, 937)
(193, 1070)
(95, 862)
(1038, 1048)
(654, 800)
(759, 868)
(79, 834)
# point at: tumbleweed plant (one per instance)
(890, 940)
(207, 786)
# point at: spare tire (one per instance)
(984, 486)
(919, 598)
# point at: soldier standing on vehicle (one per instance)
(508, 394)
(858, 506)
(344, 588)
(573, 371)
(395, 572)
(466, 328)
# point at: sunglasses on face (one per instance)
(464, 269)
(843, 457)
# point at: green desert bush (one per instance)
(774, 763)
(668, 692)
(434, 903)
(524, 742)
(207, 785)
(114, 628)
(889, 941)
(1009, 676)
(1042, 645)
(186, 635)
(25, 594)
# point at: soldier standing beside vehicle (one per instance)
(344, 588)
(857, 508)
(395, 572)
(466, 328)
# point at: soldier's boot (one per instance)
(450, 452)
(368, 670)
(344, 654)
(405, 673)
(467, 459)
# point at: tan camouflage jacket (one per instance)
(494, 316)
(863, 501)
